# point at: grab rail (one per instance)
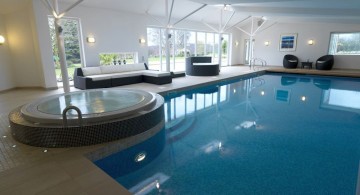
(253, 60)
(65, 121)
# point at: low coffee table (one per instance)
(306, 64)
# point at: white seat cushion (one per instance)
(100, 77)
(154, 73)
(88, 71)
(178, 71)
(113, 69)
(292, 60)
(127, 74)
(320, 62)
(134, 67)
(202, 64)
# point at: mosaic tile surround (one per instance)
(90, 134)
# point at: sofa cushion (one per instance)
(112, 69)
(127, 74)
(204, 64)
(154, 73)
(101, 77)
(88, 71)
(135, 67)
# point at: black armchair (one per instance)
(325, 62)
(290, 61)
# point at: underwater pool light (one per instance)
(140, 157)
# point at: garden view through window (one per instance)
(118, 58)
(345, 43)
(184, 43)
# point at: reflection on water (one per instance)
(286, 80)
(341, 99)
(322, 83)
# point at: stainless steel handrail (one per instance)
(65, 121)
(253, 60)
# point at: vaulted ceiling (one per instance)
(339, 11)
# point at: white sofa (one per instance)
(116, 75)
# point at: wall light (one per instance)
(142, 41)
(267, 43)
(90, 39)
(236, 43)
(310, 42)
(2, 39)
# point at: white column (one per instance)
(62, 56)
(220, 49)
(167, 49)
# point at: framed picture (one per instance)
(288, 42)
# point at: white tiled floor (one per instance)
(30, 170)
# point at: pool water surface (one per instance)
(272, 134)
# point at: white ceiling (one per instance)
(339, 11)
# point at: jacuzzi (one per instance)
(86, 117)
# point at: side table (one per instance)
(306, 64)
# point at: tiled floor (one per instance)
(32, 170)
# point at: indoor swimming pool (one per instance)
(271, 134)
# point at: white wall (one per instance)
(27, 70)
(319, 32)
(42, 44)
(113, 31)
(236, 49)
(6, 74)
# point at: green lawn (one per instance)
(71, 69)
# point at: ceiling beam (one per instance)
(191, 13)
(171, 10)
(222, 29)
(211, 27)
(237, 23)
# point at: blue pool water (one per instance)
(272, 134)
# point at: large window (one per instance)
(345, 43)
(118, 58)
(183, 44)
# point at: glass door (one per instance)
(247, 52)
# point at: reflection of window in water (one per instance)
(282, 95)
(179, 107)
(341, 98)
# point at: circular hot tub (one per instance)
(86, 117)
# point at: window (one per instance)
(183, 43)
(118, 58)
(154, 48)
(344, 43)
(225, 50)
(200, 44)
